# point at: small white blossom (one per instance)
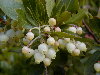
(47, 61)
(70, 47)
(97, 67)
(72, 29)
(52, 21)
(30, 35)
(50, 41)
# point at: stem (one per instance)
(91, 32)
(46, 71)
(34, 28)
(36, 37)
(32, 41)
(44, 26)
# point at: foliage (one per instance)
(22, 15)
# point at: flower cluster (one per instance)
(47, 51)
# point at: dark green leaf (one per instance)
(94, 24)
(77, 17)
(89, 65)
(63, 34)
(72, 5)
(64, 16)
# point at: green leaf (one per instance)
(36, 9)
(94, 24)
(22, 20)
(72, 5)
(77, 17)
(67, 35)
(9, 7)
(49, 6)
(84, 40)
(63, 34)
(65, 5)
(89, 66)
(64, 16)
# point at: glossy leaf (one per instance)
(77, 17)
(49, 6)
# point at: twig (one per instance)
(46, 71)
(91, 32)
(33, 41)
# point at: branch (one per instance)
(32, 41)
(91, 32)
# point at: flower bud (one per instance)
(79, 30)
(70, 47)
(97, 67)
(47, 29)
(30, 35)
(82, 47)
(56, 44)
(38, 57)
(47, 61)
(61, 43)
(43, 48)
(30, 53)
(72, 29)
(52, 21)
(57, 29)
(51, 53)
(67, 40)
(25, 50)
(76, 52)
(50, 41)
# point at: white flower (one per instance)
(76, 52)
(29, 53)
(97, 67)
(25, 50)
(30, 35)
(72, 29)
(57, 29)
(36, 51)
(56, 44)
(79, 30)
(38, 57)
(47, 61)
(67, 39)
(51, 53)
(82, 47)
(47, 29)
(50, 41)
(4, 38)
(43, 48)
(52, 21)
(70, 47)
(61, 43)
(78, 42)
